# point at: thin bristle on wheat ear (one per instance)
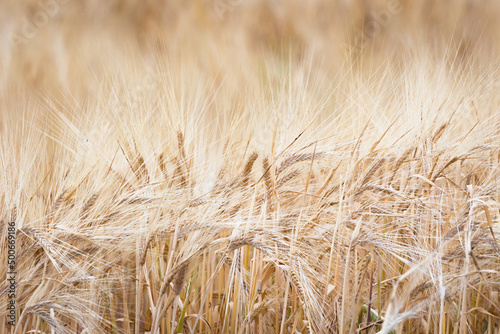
(163, 167)
(178, 282)
(13, 213)
(180, 145)
(267, 175)
(140, 169)
(245, 175)
(88, 205)
(287, 177)
(57, 203)
(298, 157)
(268, 184)
(46, 244)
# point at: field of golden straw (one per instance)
(249, 166)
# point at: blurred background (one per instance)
(54, 44)
(290, 60)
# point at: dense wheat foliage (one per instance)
(253, 166)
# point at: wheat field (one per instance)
(250, 166)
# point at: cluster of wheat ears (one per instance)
(207, 174)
